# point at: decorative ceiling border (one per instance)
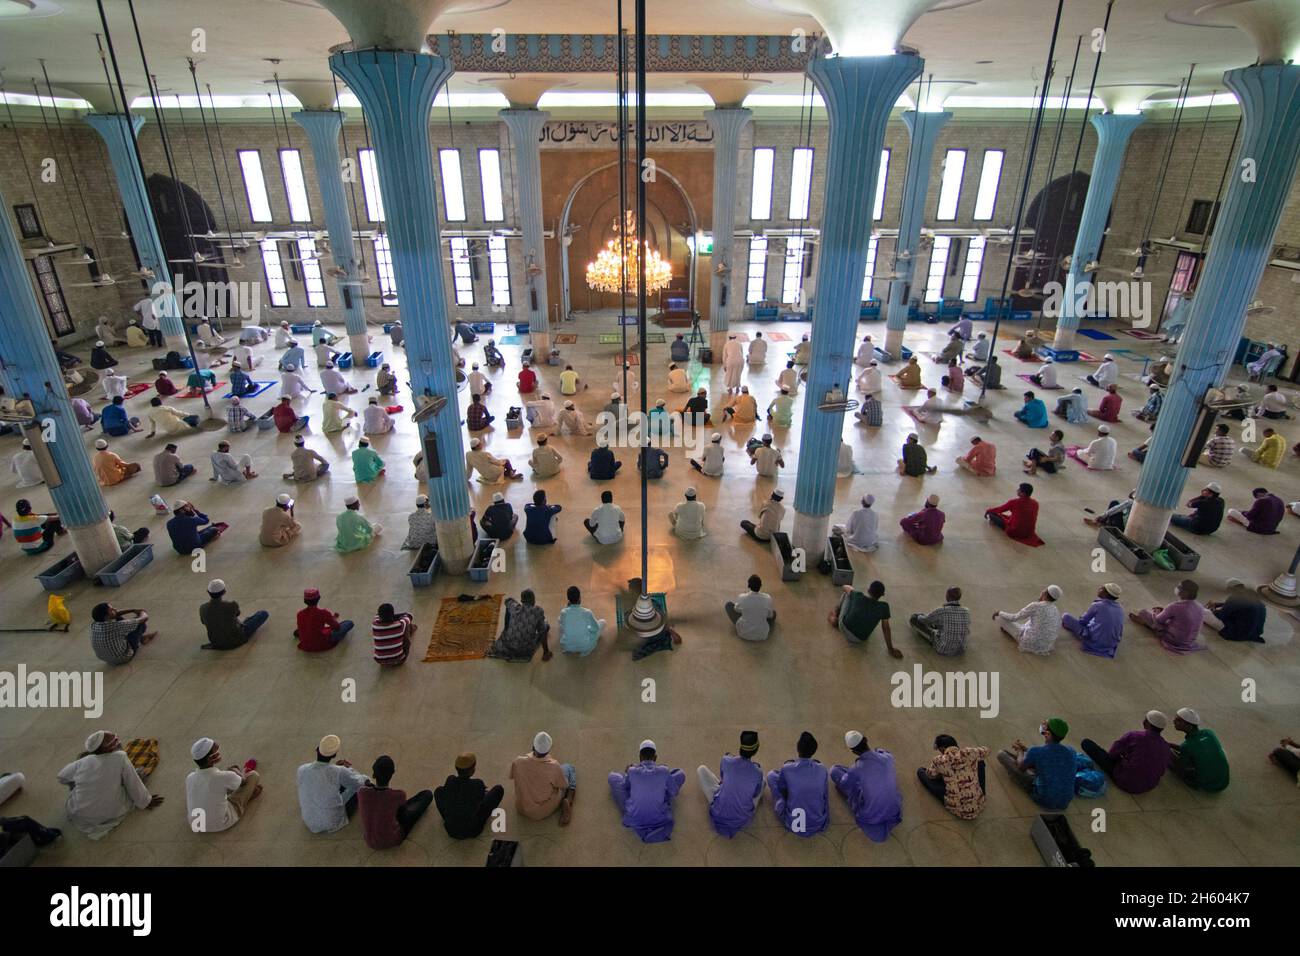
(597, 53)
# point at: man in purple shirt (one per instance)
(1101, 626)
(1138, 760)
(1179, 624)
(644, 792)
(925, 526)
(1264, 515)
(734, 793)
(799, 791)
(871, 788)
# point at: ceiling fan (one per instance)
(1259, 308)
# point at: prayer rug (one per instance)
(1130, 355)
(1046, 388)
(776, 336)
(1019, 359)
(1142, 334)
(190, 393)
(1096, 335)
(915, 415)
(611, 338)
(464, 629)
(511, 340)
(261, 387)
(655, 338)
(133, 390)
(906, 388)
(566, 338)
(631, 358)
(143, 754)
(1087, 357)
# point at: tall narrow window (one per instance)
(370, 186)
(499, 270)
(970, 277)
(760, 197)
(295, 187)
(259, 204)
(453, 190)
(312, 281)
(800, 182)
(461, 275)
(489, 171)
(938, 269)
(990, 176)
(792, 280)
(954, 164)
(384, 270)
(757, 269)
(274, 269)
(47, 277)
(879, 211)
(871, 268)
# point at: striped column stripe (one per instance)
(727, 126)
(924, 129)
(525, 132)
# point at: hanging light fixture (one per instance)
(606, 273)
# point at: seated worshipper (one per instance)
(490, 468)
(789, 378)
(1110, 403)
(320, 334)
(499, 520)
(541, 412)
(116, 634)
(1033, 412)
(1027, 347)
(355, 532)
(328, 788)
(478, 382)
(324, 354)
(103, 786)
(106, 330)
(925, 526)
(466, 332)
(238, 418)
(979, 350)
(602, 465)
(294, 357)
(915, 462)
(545, 460)
(1264, 515)
(1274, 404)
(1045, 772)
(1269, 452)
(866, 352)
(208, 334)
(100, 358)
(26, 467)
(1151, 410)
(568, 381)
(492, 355)
(870, 380)
(687, 519)
(871, 412)
(307, 465)
(366, 463)
(1178, 624)
(1017, 517)
(1260, 369)
(1199, 760)
(85, 415)
(800, 791)
(240, 383)
(989, 375)
(230, 470)
(109, 468)
(660, 426)
(190, 529)
(1107, 372)
(392, 633)
(712, 458)
(741, 408)
(1139, 454)
(114, 385)
(956, 776)
(115, 420)
(982, 459)
(962, 329)
(387, 815)
(335, 414)
(770, 516)
(286, 418)
(225, 629)
(844, 465)
(34, 533)
(199, 382)
(733, 793)
(952, 350)
(606, 522)
(677, 381)
(319, 629)
(860, 534)
(803, 351)
(422, 529)
(1101, 452)
(858, 614)
(524, 629)
(1073, 407)
(1050, 461)
(954, 379)
(1138, 759)
(644, 793)
(780, 411)
(870, 787)
(930, 411)
(573, 422)
(909, 376)
(332, 380)
(1035, 626)
(543, 784)
(243, 357)
(579, 628)
(1207, 511)
(171, 421)
(766, 458)
(278, 524)
(215, 799)
(757, 354)
(527, 380)
(386, 381)
(292, 384)
(125, 536)
(283, 335)
(680, 349)
(477, 416)
(168, 469)
(696, 410)
(1240, 616)
(539, 519)
(1045, 377)
(654, 460)
(164, 386)
(752, 612)
(376, 420)
(1102, 625)
(946, 628)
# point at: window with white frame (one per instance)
(295, 187)
(312, 280)
(881, 179)
(461, 274)
(489, 172)
(757, 269)
(499, 270)
(871, 268)
(760, 196)
(370, 186)
(954, 164)
(970, 277)
(990, 175)
(792, 280)
(259, 204)
(276, 289)
(384, 271)
(801, 166)
(938, 268)
(453, 189)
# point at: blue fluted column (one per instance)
(1243, 241)
(727, 125)
(924, 129)
(1113, 133)
(322, 128)
(117, 130)
(396, 89)
(859, 93)
(525, 132)
(29, 369)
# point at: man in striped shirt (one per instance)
(392, 633)
(1219, 450)
(35, 532)
(946, 628)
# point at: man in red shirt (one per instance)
(527, 380)
(286, 419)
(387, 816)
(318, 629)
(1017, 517)
(1110, 404)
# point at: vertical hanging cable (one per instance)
(1169, 151)
(230, 182)
(1050, 265)
(22, 155)
(352, 184)
(67, 151)
(212, 159)
(1196, 155)
(67, 196)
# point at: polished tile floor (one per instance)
(272, 702)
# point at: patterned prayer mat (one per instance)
(1142, 334)
(566, 338)
(631, 359)
(1096, 335)
(655, 338)
(1019, 359)
(133, 390)
(512, 340)
(464, 629)
(776, 336)
(610, 338)
(143, 754)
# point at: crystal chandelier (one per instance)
(606, 273)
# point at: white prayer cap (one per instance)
(1214, 486)
(99, 345)
(475, 443)
(1103, 429)
(235, 400)
(113, 371)
(659, 403)
(778, 494)
(1157, 719)
(202, 747)
(981, 336)
(785, 389)
(329, 745)
(932, 500)
(374, 399)
(216, 586)
(421, 501)
(648, 745)
(100, 443)
(1189, 715)
(546, 396)
(868, 500)
(300, 440)
(614, 395)
(715, 437)
(351, 500)
(690, 492)
(852, 739)
(568, 404)
(475, 365)
(283, 500)
(1108, 357)
(1234, 583)
(498, 496)
(1113, 589)
(1054, 592)
(97, 738)
(364, 443)
(542, 743)
(27, 444)
(178, 504)
(290, 367)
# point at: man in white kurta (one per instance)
(114, 384)
(292, 384)
(104, 786)
(758, 349)
(870, 381)
(332, 380)
(541, 413)
(861, 532)
(712, 458)
(866, 352)
(733, 361)
(1101, 451)
(677, 381)
(25, 466)
(789, 378)
(376, 420)
(687, 519)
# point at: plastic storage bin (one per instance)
(425, 568)
(784, 554)
(62, 574)
(480, 565)
(838, 555)
(126, 566)
(1127, 551)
